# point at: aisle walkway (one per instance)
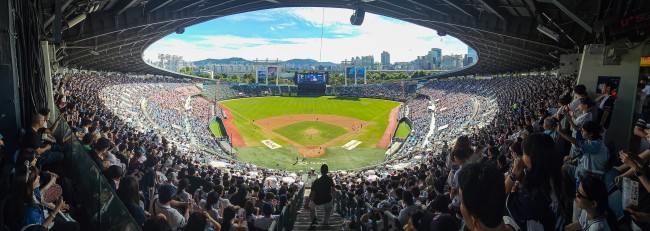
(303, 222)
(432, 126)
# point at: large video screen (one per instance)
(311, 78)
(352, 72)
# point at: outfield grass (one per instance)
(374, 111)
(298, 132)
(403, 130)
(336, 158)
(216, 129)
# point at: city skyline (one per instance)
(271, 33)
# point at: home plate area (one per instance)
(351, 145)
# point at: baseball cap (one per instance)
(166, 193)
(267, 208)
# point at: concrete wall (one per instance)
(591, 66)
(569, 64)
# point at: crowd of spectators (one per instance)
(201, 113)
(402, 91)
(160, 183)
(519, 153)
(510, 166)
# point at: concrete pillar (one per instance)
(49, 94)
(10, 114)
(591, 66)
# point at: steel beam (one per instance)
(571, 15)
(127, 6)
(160, 6)
(423, 6)
(51, 19)
(488, 4)
(465, 10)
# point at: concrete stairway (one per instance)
(303, 222)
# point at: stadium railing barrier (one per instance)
(99, 207)
(289, 213)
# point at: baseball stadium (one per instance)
(351, 132)
(541, 122)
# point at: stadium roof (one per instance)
(111, 35)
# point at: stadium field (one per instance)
(312, 127)
(403, 130)
(310, 132)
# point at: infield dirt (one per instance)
(268, 124)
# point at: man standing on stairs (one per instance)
(322, 191)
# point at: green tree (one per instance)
(248, 78)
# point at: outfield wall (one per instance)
(224, 132)
(405, 120)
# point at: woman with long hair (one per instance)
(534, 185)
(228, 216)
(26, 206)
(201, 222)
(596, 215)
(129, 193)
(229, 222)
(212, 204)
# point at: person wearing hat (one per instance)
(264, 221)
(161, 206)
(322, 191)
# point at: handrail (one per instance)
(289, 215)
(101, 208)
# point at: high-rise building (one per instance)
(421, 63)
(367, 61)
(434, 57)
(385, 58)
(471, 55)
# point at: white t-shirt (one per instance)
(456, 200)
(599, 224)
(176, 219)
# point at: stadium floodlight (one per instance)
(75, 20)
(548, 32)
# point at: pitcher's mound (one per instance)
(311, 131)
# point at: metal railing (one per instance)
(289, 213)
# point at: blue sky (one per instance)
(287, 33)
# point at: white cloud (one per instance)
(404, 41)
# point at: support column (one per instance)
(49, 95)
(355, 76)
(591, 67)
(10, 114)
